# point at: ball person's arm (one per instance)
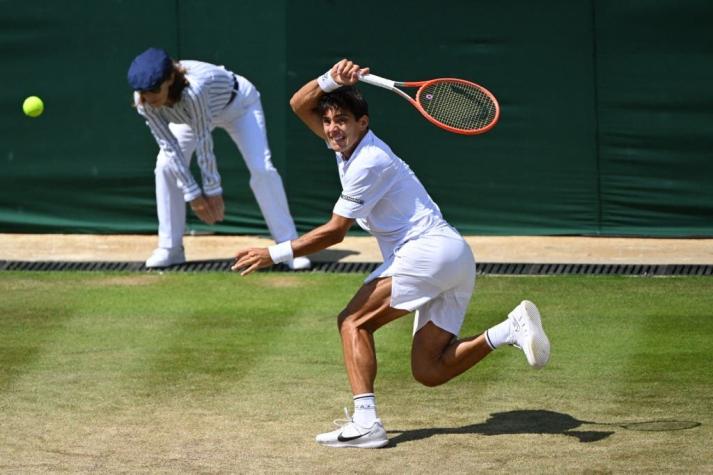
(330, 233)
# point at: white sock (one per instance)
(364, 409)
(499, 335)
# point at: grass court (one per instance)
(214, 372)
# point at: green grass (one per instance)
(218, 373)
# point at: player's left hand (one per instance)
(250, 260)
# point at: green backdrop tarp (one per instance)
(655, 102)
(605, 125)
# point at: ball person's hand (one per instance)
(217, 206)
(250, 260)
(203, 210)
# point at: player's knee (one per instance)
(351, 324)
(344, 323)
(427, 377)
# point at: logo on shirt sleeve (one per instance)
(352, 199)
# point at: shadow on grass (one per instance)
(541, 422)
(332, 255)
(511, 422)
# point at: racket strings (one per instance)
(458, 105)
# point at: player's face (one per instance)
(343, 130)
(157, 97)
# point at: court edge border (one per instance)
(483, 268)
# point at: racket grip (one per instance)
(375, 80)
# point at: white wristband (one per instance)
(327, 83)
(281, 252)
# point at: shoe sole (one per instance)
(372, 444)
(305, 265)
(163, 266)
(537, 345)
(370, 440)
(301, 267)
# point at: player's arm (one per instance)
(330, 233)
(305, 101)
(304, 104)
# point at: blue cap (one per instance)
(149, 69)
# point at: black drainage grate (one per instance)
(485, 268)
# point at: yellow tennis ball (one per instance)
(33, 106)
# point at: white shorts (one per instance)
(433, 275)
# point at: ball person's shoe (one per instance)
(528, 334)
(162, 257)
(299, 263)
(351, 434)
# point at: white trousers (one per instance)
(244, 121)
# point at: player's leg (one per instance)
(170, 205)
(368, 311)
(245, 123)
(250, 136)
(522, 329)
(438, 356)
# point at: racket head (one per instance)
(456, 105)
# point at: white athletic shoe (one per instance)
(526, 328)
(351, 434)
(299, 263)
(162, 257)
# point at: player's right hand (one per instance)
(203, 210)
(347, 73)
(250, 260)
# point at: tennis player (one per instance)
(428, 267)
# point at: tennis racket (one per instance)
(456, 105)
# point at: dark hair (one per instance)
(346, 98)
(179, 83)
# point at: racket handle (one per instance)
(375, 80)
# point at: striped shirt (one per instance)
(208, 92)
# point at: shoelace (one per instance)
(343, 422)
(518, 327)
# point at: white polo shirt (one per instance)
(384, 196)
